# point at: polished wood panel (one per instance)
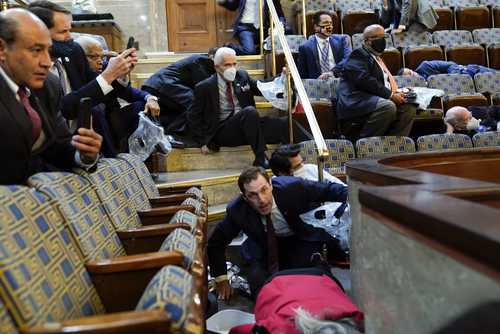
(225, 20)
(191, 25)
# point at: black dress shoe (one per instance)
(261, 162)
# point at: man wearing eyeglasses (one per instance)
(267, 211)
(322, 55)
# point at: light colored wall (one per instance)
(144, 19)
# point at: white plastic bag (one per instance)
(338, 228)
(275, 92)
(146, 137)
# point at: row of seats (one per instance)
(459, 90)
(342, 151)
(409, 49)
(77, 245)
(352, 16)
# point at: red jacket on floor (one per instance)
(319, 295)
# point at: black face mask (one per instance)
(61, 48)
(378, 45)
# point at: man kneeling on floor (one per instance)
(267, 211)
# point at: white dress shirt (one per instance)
(225, 107)
(321, 44)
(281, 227)
(251, 13)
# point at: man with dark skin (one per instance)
(34, 136)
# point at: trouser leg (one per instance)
(379, 121)
(240, 129)
(404, 120)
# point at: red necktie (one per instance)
(33, 115)
(272, 247)
(229, 95)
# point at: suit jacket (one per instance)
(417, 11)
(83, 83)
(240, 6)
(55, 152)
(309, 64)
(187, 72)
(203, 118)
(361, 85)
(293, 197)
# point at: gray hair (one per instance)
(86, 42)
(221, 53)
(308, 324)
(452, 115)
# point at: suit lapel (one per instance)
(214, 92)
(315, 53)
(16, 110)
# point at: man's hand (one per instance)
(397, 98)
(120, 66)
(88, 143)
(224, 290)
(398, 30)
(325, 76)
(152, 107)
(205, 150)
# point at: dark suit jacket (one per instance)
(293, 197)
(187, 72)
(83, 83)
(240, 6)
(309, 65)
(203, 118)
(56, 152)
(361, 85)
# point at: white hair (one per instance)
(221, 53)
(86, 42)
(308, 324)
(453, 114)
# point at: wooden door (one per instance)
(225, 20)
(191, 25)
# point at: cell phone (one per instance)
(84, 113)
(131, 42)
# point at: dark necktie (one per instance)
(272, 247)
(229, 95)
(60, 73)
(33, 115)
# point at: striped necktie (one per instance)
(325, 64)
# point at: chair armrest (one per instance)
(176, 189)
(146, 239)
(161, 215)
(134, 262)
(155, 321)
(168, 200)
(121, 281)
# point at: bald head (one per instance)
(373, 31)
(24, 48)
(12, 20)
(458, 117)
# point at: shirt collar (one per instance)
(12, 85)
(320, 40)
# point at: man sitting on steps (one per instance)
(224, 113)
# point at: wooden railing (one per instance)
(293, 74)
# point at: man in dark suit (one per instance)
(224, 113)
(71, 65)
(267, 211)
(433, 67)
(368, 93)
(247, 23)
(35, 137)
(174, 85)
(323, 54)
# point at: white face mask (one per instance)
(473, 124)
(229, 74)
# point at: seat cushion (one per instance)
(142, 173)
(440, 142)
(185, 217)
(491, 138)
(376, 146)
(184, 242)
(169, 290)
